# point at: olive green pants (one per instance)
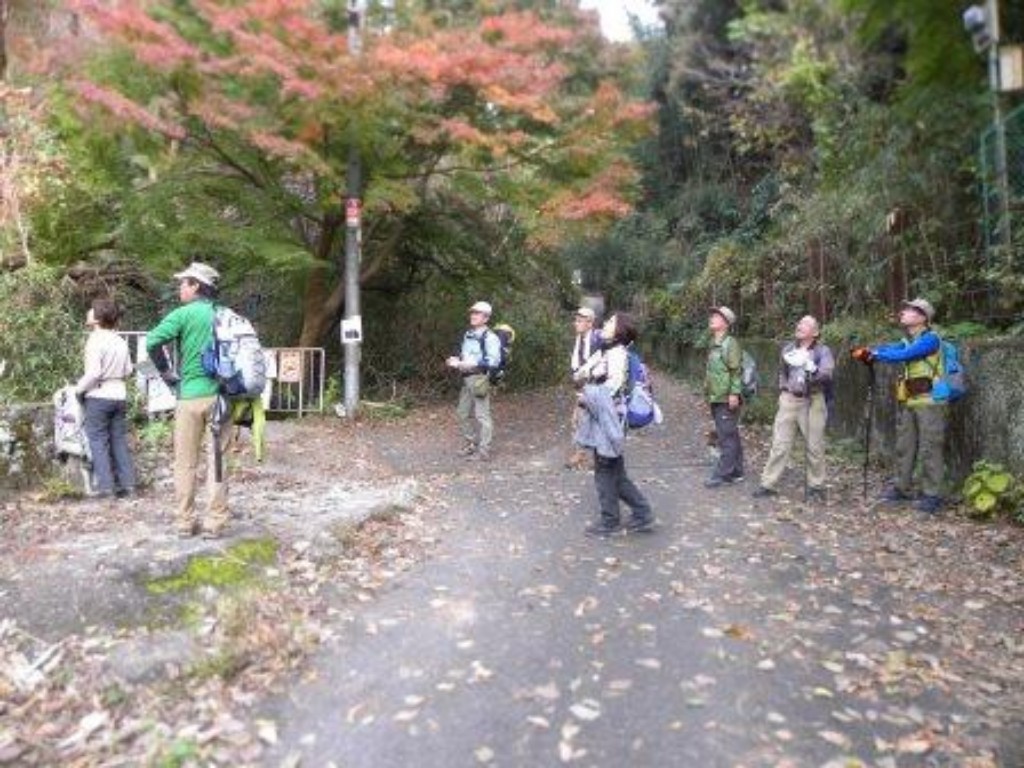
(921, 436)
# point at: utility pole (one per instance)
(983, 24)
(999, 126)
(352, 323)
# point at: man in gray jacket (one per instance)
(805, 381)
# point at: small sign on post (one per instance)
(353, 212)
(352, 330)
(289, 366)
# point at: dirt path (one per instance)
(742, 633)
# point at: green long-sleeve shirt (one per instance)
(723, 376)
(191, 326)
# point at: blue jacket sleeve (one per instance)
(925, 344)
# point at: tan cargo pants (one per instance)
(794, 415)
(191, 424)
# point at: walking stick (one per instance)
(218, 415)
(869, 406)
(807, 436)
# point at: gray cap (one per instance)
(726, 313)
(585, 312)
(200, 272)
(482, 307)
(923, 306)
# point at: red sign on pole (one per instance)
(352, 212)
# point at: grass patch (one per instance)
(238, 566)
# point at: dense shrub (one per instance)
(41, 334)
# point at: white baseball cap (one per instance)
(585, 312)
(482, 307)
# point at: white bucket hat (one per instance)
(200, 272)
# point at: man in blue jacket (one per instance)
(920, 420)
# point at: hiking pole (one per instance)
(217, 413)
(807, 436)
(869, 406)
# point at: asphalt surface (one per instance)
(739, 633)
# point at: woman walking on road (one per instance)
(602, 429)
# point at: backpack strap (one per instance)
(482, 339)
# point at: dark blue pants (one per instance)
(107, 430)
(730, 449)
(612, 485)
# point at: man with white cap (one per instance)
(479, 353)
(723, 386)
(920, 420)
(805, 380)
(586, 343)
(190, 327)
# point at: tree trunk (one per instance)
(5, 12)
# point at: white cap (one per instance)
(200, 272)
(726, 313)
(923, 306)
(585, 312)
(482, 307)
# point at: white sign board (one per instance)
(352, 330)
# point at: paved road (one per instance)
(741, 633)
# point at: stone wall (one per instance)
(26, 440)
(988, 423)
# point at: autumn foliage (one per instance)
(513, 110)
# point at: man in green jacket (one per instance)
(722, 388)
(190, 327)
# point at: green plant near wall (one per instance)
(41, 334)
(989, 489)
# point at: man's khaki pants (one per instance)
(191, 423)
(470, 406)
(795, 415)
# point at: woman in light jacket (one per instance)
(603, 431)
(103, 391)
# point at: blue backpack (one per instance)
(641, 409)
(949, 383)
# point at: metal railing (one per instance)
(296, 377)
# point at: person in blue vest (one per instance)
(479, 353)
(920, 420)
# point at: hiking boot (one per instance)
(600, 530)
(718, 482)
(646, 525)
(188, 532)
(212, 533)
(468, 449)
(762, 492)
(895, 496)
(816, 494)
(930, 505)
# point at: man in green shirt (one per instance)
(722, 388)
(190, 327)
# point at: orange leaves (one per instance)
(125, 108)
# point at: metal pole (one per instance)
(999, 127)
(353, 240)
